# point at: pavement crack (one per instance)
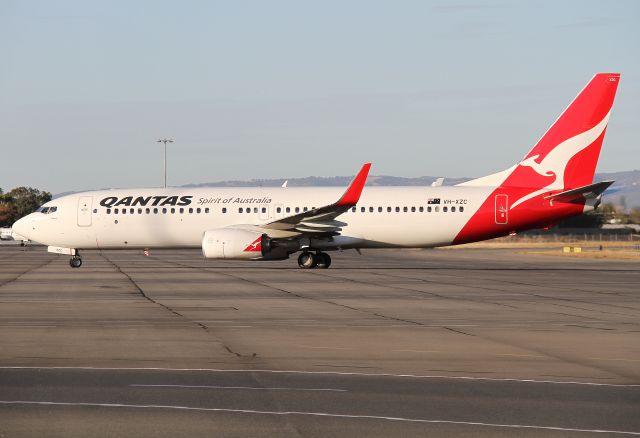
(457, 331)
(355, 309)
(433, 294)
(175, 312)
(148, 298)
(22, 274)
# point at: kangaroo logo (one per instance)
(255, 246)
(555, 162)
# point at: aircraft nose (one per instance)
(21, 226)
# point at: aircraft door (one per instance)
(502, 209)
(84, 211)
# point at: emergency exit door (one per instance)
(502, 209)
(84, 211)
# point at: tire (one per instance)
(324, 260)
(75, 262)
(307, 260)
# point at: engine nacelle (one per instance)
(229, 243)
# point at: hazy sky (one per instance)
(269, 89)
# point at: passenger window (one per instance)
(379, 209)
(370, 209)
(461, 209)
(95, 210)
(278, 210)
(155, 211)
(389, 209)
(198, 210)
(421, 209)
(108, 211)
(444, 209)
(362, 209)
(191, 210)
(304, 209)
(297, 209)
(115, 211)
(288, 209)
(437, 209)
(240, 210)
(173, 210)
(397, 209)
(124, 211)
(353, 209)
(248, 210)
(147, 210)
(139, 211)
(255, 209)
(224, 210)
(413, 209)
(206, 210)
(164, 211)
(453, 209)
(405, 209)
(264, 210)
(428, 209)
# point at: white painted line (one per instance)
(610, 358)
(332, 373)
(419, 351)
(519, 355)
(317, 414)
(254, 388)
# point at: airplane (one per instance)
(552, 182)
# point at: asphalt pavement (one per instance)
(391, 343)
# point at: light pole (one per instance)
(165, 141)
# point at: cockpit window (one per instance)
(48, 210)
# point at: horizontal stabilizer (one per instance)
(591, 191)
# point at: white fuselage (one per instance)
(392, 216)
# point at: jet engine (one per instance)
(229, 243)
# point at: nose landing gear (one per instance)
(75, 261)
(308, 260)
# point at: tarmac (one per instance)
(446, 342)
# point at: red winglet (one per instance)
(352, 195)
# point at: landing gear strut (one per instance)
(76, 261)
(308, 260)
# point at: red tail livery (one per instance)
(564, 158)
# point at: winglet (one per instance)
(353, 192)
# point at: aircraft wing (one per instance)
(591, 191)
(322, 220)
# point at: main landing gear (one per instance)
(76, 261)
(309, 260)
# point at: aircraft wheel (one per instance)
(324, 260)
(75, 262)
(307, 260)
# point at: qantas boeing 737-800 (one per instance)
(552, 182)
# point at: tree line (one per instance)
(20, 202)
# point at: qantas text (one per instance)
(130, 201)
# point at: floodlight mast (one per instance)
(165, 141)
